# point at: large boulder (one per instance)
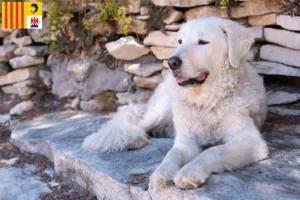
(125, 175)
(126, 48)
(284, 38)
(280, 54)
(74, 77)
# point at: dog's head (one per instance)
(204, 47)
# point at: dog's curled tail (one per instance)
(121, 133)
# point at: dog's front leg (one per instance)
(243, 146)
(183, 151)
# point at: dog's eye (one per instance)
(202, 42)
(179, 41)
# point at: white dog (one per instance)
(211, 96)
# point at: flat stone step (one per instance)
(125, 175)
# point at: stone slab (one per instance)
(262, 20)
(273, 68)
(108, 175)
(288, 22)
(280, 54)
(284, 38)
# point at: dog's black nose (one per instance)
(174, 62)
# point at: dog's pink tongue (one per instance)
(201, 77)
(180, 79)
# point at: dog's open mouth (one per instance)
(191, 81)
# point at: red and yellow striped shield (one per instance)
(22, 15)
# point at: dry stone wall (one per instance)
(143, 54)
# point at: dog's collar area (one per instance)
(194, 81)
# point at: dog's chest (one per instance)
(200, 123)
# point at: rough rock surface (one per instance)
(143, 70)
(76, 77)
(25, 88)
(280, 54)
(32, 51)
(22, 107)
(173, 27)
(262, 20)
(18, 75)
(281, 97)
(9, 89)
(162, 53)
(25, 61)
(173, 16)
(248, 8)
(46, 77)
(21, 184)
(284, 111)
(126, 48)
(7, 52)
(13, 35)
(182, 3)
(150, 82)
(284, 38)
(158, 38)
(272, 68)
(23, 41)
(4, 118)
(288, 22)
(110, 175)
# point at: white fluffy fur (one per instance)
(228, 109)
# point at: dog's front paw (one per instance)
(162, 177)
(190, 177)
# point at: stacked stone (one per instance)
(280, 57)
(144, 53)
(20, 63)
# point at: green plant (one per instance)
(109, 13)
(227, 5)
(58, 20)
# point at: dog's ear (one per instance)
(238, 42)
